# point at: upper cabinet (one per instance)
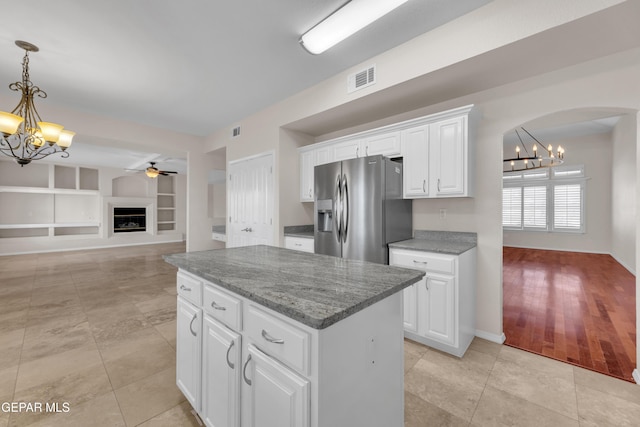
(436, 151)
(437, 157)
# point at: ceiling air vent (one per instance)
(361, 79)
(235, 132)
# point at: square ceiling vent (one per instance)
(361, 79)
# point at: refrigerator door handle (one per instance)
(337, 208)
(345, 208)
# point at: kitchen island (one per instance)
(274, 337)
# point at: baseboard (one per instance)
(498, 339)
(631, 270)
(636, 376)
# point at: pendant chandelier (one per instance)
(25, 137)
(534, 160)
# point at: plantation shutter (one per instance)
(535, 207)
(512, 207)
(567, 200)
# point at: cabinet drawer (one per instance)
(222, 306)
(299, 244)
(427, 261)
(278, 338)
(190, 288)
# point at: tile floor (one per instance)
(96, 330)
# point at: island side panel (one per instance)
(361, 369)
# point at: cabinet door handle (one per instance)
(438, 184)
(424, 185)
(248, 229)
(426, 283)
(366, 151)
(297, 244)
(195, 316)
(415, 261)
(244, 371)
(310, 190)
(184, 288)
(271, 339)
(357, 149)
(231, 365)
(217, 307)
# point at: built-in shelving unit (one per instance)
(166, 203)
(48, 200)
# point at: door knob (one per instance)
(248, 229)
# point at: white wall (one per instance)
(623, 193)
(594, 152)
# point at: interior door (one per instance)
(250, 202)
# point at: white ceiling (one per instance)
(192, 66)
(198, 65)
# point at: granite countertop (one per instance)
(305, 231)
(316, 290)
(220, 229)
(446, 242)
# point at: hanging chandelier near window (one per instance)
(25, 137)
(534, 160)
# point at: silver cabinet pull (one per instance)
(195, 316)
(415, 261)
(184, 288)
(357, 149)
(231, 365)
(298, 244)
(217, 307)
(244, 371)
(248, 229)
(310, 190)
(426, 283)
(271, 339)
(366, 151)
(424, 184)
(438, 184)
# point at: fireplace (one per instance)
(129, 220)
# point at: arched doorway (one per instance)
(569, 275)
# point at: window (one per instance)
(544, 200)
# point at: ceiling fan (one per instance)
(152, 171)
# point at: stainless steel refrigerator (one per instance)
(359, 208)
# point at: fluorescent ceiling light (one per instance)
(349, 19)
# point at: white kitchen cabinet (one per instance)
(307, 164)
(436, 157)
(415, 163)
(448, 142)
(299, 244)
(310, 157)
(439, 307)
(276, 396)
(260, 368)
(386, 144)
(188, 350)
(437, 151)
(444, 299)
(221, 366)
(410, 303)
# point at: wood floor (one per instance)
(575, 307)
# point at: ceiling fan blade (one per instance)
(167, 172)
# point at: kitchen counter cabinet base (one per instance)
(351, 373)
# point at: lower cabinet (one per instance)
(439, 311)
(276, 396)
(221, 365)
(303, 244)
(240, 364)
(188, 350)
